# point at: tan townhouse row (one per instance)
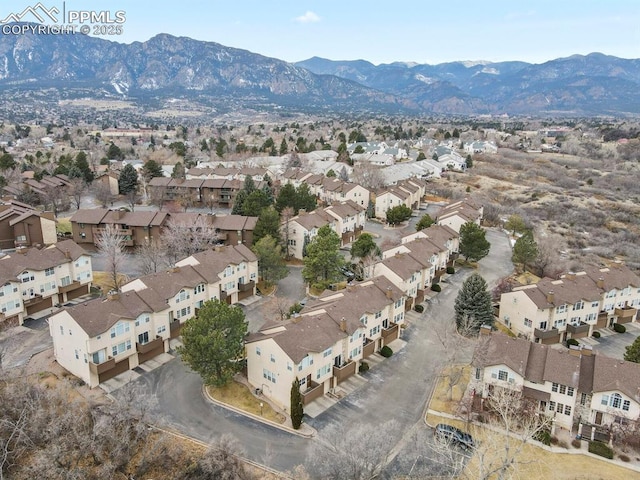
(35, 279)
(456, 214)
(574, 306)
(326, 343)
(101, 338)
(347, 219)
(328, 190)
(419, 261)
(143, 227)
(409, 193)
(578, 388)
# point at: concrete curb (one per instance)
(284, 428)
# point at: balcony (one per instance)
(174, 328)
(314, 391)
(36, 298)
(345, 371)
(368, 348)
(99, 368)
(246, 287)
(67, 288)
(578, 329)
(547, 336)
(147, 347)
(392, 331)
(127, 233)
(626, 314)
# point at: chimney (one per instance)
(550, 296)
(570, 276)
(113, 296)
(574, 350)
(67, 254)
(485, 330)
(389, 292)
(343, 325)
(600, 282)
(117, 214)
(301, 211)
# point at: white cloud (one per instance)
(308, 17)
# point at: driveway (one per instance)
(397, 389)
(614, 344)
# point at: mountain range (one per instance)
(178, 67)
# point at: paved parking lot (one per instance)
(614, 344)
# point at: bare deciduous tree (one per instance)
(152, 257)
(103, 194)
(182, 238)
(368, 175)
(548, 261)
(111, 244)
(353, 452)
(77, 190)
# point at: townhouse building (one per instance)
(419, 261)
(580, 389)
(34, 279)
(347, 219)
(573, 306)
(328, 189)
(23, 226)
(141, 228)
(326, 343)
(102, 338)
(456, 214)
(409, 193)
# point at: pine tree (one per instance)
(128, 180)
(525, 250)
(297, 409)
(473, 306)
(473, 244)
(632, 352)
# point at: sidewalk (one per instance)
(305, 430)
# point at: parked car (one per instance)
(454, 435)
(348, 273)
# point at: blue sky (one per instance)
(422, 31)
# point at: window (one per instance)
(270, 376)
(258, 351)
(561, 308)
(306, 361)
(183, 312)
(616, 400)
(355, 352)
(543, 325)
(583, 399)
(161, 329)
(49, 271)
(567, 409)
(198, 289)
(76, 353)
(121, 348)
(560, 323)
(478, 374)
(119, 328)
(578, 305)
(289, 366)
(563, 389)
(327, 352)
(182, 296)
(554, 387)
(559, 407)
(502, 375)
(527, 322)
(610, 294)
(272, 357)
(605, 400)
(378, 314)
(143, 338)
(570, 391)
(552, 406)
(625, 405)
(61, 330)
(595, 304)
(374, 331)
(323, 371)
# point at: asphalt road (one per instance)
(397, 389)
